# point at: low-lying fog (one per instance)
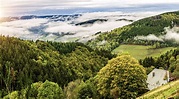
(48, 29)
(169, 34)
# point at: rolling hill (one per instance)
(160, 31)
(23, 62)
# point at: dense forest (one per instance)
(24, 62)
(73, 70)
(26, 67)
(154, 25)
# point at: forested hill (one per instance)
(66, 71)
(73, 71)
(24, 62)
(146, 31)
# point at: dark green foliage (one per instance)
(87, 90)
(39, 90)
(168, 61)
(148, 62)
(82, 64)
(24, 62)
(64, 48)
(149, 69)
(91, 21)
(79, 89)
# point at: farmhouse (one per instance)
(157, 78)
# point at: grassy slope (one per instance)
(169, 90)
(140, 51)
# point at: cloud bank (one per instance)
(171, 35)
(150, 37)
(47, 29)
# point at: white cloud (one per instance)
(12, 31)
(20, 28)
(87, 31)
(171, 34)
(150, 37)
(45, 28)
(25, 23)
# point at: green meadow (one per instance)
(141, 51)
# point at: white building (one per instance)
(157, 78)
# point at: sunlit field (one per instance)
(140, 51)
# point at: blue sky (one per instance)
(23, 7)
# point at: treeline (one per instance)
(25, 62)
(126, 35)
(168, 61)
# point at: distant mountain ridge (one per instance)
(92, 21)
(52, 17)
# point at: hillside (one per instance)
(157, 31)
(24, 62)
(170, 90)
(52, 69)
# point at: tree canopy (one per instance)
(122, 77)
(24, 62)
(38, 90)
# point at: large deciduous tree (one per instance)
(122, 78)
